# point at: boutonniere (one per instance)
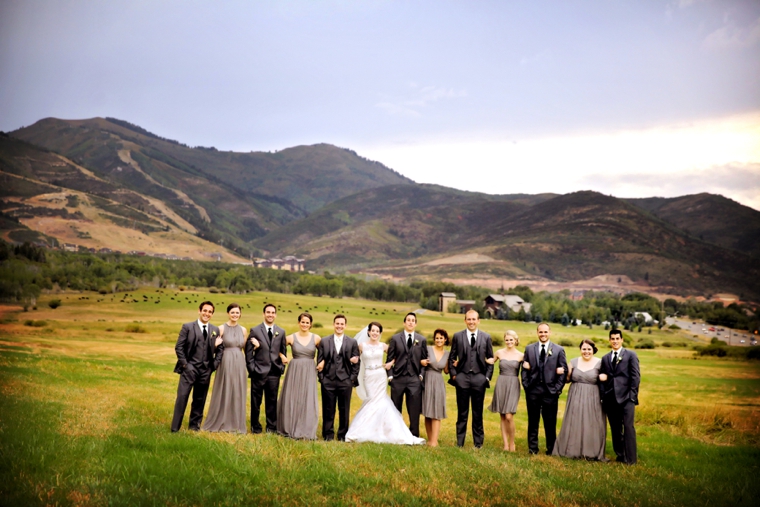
(619, 357)
(213, 333)
(276, 333)
(416, 342)
(550, 351)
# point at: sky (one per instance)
(632, 98)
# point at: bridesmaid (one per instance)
(227, 409)
(506, 394)
(584, 431)
(297, 415)
(434, 394)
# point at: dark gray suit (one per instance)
(620, 394)
(406, 374)
(337, 379)
(265, 369)
(542, 387)
(196, 359)
(473, 376)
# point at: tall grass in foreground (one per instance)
(85, 413)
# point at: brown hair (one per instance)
(443, 333)
(589, 342)
(307, 315)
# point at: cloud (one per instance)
(731, 36)
(739, 181)
(717, 155)
(419, 98)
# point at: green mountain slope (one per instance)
(712, 218)
(230, 197)
(569, 237)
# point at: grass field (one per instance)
(87, 392)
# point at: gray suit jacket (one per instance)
(349, 349)
(187, 343)
(460, 350)
(623, 379)
(397, 352)
(260, 361)
(556, 359)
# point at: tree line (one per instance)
(26, 270)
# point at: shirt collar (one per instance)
(201, 324)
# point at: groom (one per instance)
(409, 353)
(620, 396)
(264, 350)
(338, 377)
(471, 375)
(543, 378)
(197, 357)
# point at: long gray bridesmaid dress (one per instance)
(434, 395)
(506, 394)
(297, 415)
(584, 430)
(227, 409)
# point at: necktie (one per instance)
(205, 333)
(409, 342)
(614, 360)
(543, 353)
(269, 332)
(472, 340)
(338, 344)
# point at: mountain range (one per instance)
(105, 182)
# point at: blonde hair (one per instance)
(513, 335)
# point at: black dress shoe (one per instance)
(620, 459)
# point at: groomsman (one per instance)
(338, 377)
(265, 357)
(471, 375)
(620, 396)
(543, 378)
(197, 356)
(408, 352)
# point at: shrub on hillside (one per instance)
(54, 303)
(645, 344)
(35, 323)
(135, 328)
(566, 342)
(674, 326)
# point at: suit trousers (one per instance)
(621, 418)
(267, 387)
(335, 391)
(542, 405)
(197, 381)
(471, 390)
(411, 386)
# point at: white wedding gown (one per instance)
(378, 420)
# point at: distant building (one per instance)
(105, 250)
(493, 302)
(577, 295)
(444, 300)
(70, 247)
(289, 263)
(465, 305)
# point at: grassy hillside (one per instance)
(88, 390)
(711, 218)
(571, 237)
(228, 196)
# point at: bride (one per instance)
(377, 419)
